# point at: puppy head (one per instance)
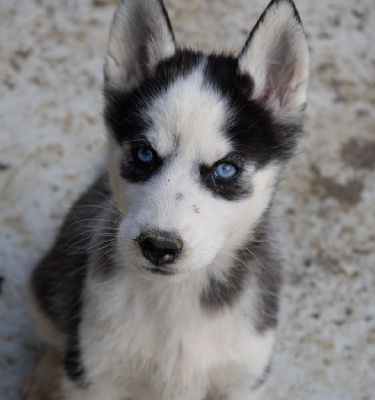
(196, 142)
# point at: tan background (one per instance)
(52, 139)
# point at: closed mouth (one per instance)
(159, 270)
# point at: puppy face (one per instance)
(185, 170)
(197, 141)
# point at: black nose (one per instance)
(160, 247)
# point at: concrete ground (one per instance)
(52, 140)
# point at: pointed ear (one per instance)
(276, 57)
(140, 37)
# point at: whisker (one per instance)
(106, 246)
(82, 240)
(121, 213)
(228, 276)
(112, 249)
(92, 236)
(105, 228)
(101, 207)
(98, 244)
(91, 219)
(247, 249)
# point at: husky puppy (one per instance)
(163, 282)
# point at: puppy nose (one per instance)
(160, 247)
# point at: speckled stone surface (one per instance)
(52, 143)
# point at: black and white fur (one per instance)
(163, 282)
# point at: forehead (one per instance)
(201, 105)
(190, 115)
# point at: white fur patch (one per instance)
(162, 345)
(191, 114)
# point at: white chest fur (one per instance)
(151, 337)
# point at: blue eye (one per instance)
(146, 155)
(225, 171)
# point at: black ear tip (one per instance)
(166, 16)
(272, 7)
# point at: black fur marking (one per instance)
(2, 279)
(124, 112)
(104, 244)
(219, 294)
(167, 20)
(263, 378)
(269, 276)
(231, 189)
(255, 134)
(58, 280)
(72, 363)
(133, 170)
(255, 261)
